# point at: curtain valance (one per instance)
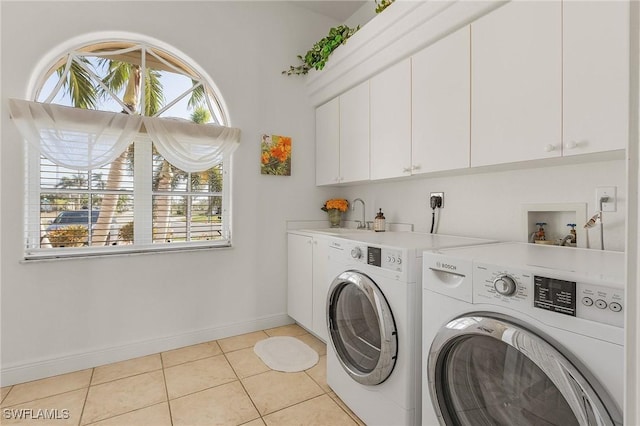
(191, 147)
(84, 139)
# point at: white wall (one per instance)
(63, 315)
(489, 204)
(364, 14)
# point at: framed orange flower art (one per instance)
(276, 155)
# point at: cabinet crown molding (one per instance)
(401, 30)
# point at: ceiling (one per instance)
(339, 10)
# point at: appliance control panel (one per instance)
(554, 295)
(497, 285)
(380, 257)
(385, 258)
(534, 292)
(598, 303)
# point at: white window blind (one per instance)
(109, 184)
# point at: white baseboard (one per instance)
(34, 370)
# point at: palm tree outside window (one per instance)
(144, 200)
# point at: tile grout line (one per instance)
(135, 409)
(126, 377)
(166, 389)
(45, 396)
(244, 388)
(122, 414)
(8, 392)
(86, 397)
(349, 413)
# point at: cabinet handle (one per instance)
(549, 148)
(571, 145)
(406, 170)
(416, 167)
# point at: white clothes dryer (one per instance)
(373, 317)
(522, 334)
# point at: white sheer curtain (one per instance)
(189, 146)
(83, 139)
(76, 138)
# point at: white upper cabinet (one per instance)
(441, 105)
(516, 78)
(390, 96)
(328, 143)
(342, 138)
(530, 80)
(596, 76)
(354, 134)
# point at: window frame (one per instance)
(142, 211)
(143, 171)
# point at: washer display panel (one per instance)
(361, 328)
(487, 371)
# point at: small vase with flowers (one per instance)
(334, 208)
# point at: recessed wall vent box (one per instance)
(556, 216)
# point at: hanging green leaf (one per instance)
(318, 55)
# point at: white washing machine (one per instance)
(373, 317)
(522, 334)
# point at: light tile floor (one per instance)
(214, 383)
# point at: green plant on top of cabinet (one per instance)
(318, 55)
(440, 109)
(516, 79)
(390, 105)
(307, 281)
(595, 76)
(342, 138)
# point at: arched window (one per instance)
(129, 148)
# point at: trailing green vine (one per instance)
(382, 5)
(319, 54)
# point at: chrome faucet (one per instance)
(361, 224)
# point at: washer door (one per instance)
(361, 328)
(488, 371)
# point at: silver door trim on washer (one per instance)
(586, 404)
(387, 328)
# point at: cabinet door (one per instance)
(354, 134)
(327, 142)
(596, 76)
(299, 279)
(391, 122)
(320, 286)
(516, 105)
(441, 105)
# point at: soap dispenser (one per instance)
(379, 222)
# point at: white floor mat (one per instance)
(287, 354)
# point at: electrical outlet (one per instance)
(606, 191)
(438, 194)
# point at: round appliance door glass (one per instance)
(487, 371)
(361, 328)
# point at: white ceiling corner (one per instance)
(339, 10)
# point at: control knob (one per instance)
(356, 253)
(505, 285)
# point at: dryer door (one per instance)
(361, 328)
(488, 371)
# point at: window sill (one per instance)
(62, 254)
